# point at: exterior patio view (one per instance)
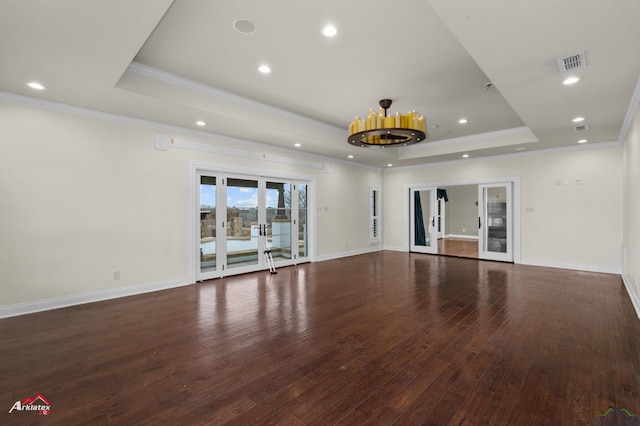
(241, 243)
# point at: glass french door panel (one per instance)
(208, 193)
(278, 208)
(302, 237)
(422, 218)
(422, 228)
(242, 223)
(496, 220)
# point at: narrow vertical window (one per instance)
(374, 210)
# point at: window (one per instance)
(374, 213)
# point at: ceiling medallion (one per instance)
(383, 130)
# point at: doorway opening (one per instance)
(478, 220)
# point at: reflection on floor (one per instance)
(460, 247)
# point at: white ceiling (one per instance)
(176, 62)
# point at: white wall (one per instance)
(570, 226)
(461, 210)
(84, 197)
(631, 221)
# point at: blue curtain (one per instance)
(420, 237)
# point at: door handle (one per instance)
(479, 224)
(433, 221)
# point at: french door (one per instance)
(242, 216)
(423, 218)
(495, 222)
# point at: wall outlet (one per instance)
(116, 275)
(578, 181)
(464, 229)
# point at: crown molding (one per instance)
(203, 147)
(631, 113)
(250, 146)
(583, 147)
(522, 130)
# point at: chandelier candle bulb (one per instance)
(389, 122)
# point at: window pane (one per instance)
(242, 222)
(302, 221)
(279, 219)
(207, 224)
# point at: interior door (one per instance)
(495, 222)
(423, 216)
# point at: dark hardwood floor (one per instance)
(383, 338)
(459, 247)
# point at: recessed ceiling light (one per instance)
(243, 26)
(571, 80)
(578, 119)
(264, 69)
(349, 156)
(201, 123)
(583, 141)
(465, 155)
(463, 121)
(389, 165)
(36, 85)
(297, 145)
(329, 30)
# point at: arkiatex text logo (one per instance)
(38, 403)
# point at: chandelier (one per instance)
(380, 129)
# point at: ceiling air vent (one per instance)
(571, 62)
(580, 127)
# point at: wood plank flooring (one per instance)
(460, 247)
(383, 338)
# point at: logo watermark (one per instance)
(617, 417)
(38, 403)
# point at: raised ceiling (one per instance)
(177, 62)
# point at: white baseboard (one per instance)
(79, 299)
(575, 267)
(342, 254)
(395, 248)
(466, 237)
(97, 296)
(632, 293)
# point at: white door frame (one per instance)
(515, 180)
(224, 170)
